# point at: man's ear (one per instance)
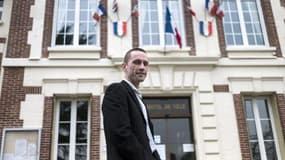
(124, 66)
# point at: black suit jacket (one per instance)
(124, 124)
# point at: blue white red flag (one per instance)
(206, 29)
(100, 12)
(115, 6)
(120, 28)
(169, 28)
(220, 12)
(207, 4)
(135, 11)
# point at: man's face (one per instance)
(136, 68)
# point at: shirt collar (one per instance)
(132, 86)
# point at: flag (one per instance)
(100, 12)
(169, 28)
(178, 38)
(207, 4)
(120, 28)
(192, 12)
(115, 6)
(220, 12)
(214, 9)
(206, 29)
(168, 25)
(135, 11)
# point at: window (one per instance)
(152, 22)
(261, 129)
(243, 24)
(1, 8)
(72, 130)
(173, 129)
(74, 25)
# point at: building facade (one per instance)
(219, 96)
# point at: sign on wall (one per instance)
(20, 144)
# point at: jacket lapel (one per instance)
(133, 96)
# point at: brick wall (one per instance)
(190, 37)
(221, 88)
(135, 27)
(12, 94)
(242, 127)
(20, 24)
(47, 33)
(270, 28)
(95, 128)
(281, 109)
(282, 3)
(46, 134)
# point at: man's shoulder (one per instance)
(116, 85)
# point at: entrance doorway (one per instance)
(173, 129)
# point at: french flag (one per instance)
(206, 29)
(100, 12)
(169, 28)
(120, 28)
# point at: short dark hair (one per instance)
(128, 53)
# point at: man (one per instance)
(128, 129)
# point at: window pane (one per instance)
(177, 153)
(59, 39)
(81, 152)
(63, 152)
(70, 28)
(81, 132)
(179, 131)
(83, 4)
(238, 40)
(64, 133)
(249, 28)
(255, 151)
(230, 39)
(65, 110)
(83, 16)
(267, 129)
(160, 129)
(252, 130)
(249, 109)
(251, 39)
(82, 110)
(92, 39)
(228, 28)
(70, 15)
(262, 108)
(71, 4)
(69, 39)
(83, 39)
(270, 150)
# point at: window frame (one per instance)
(188, 116)
(76, 33)
(243, 28)
(258, 127)
(161, 28)
(72, 126)
(1, 10)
